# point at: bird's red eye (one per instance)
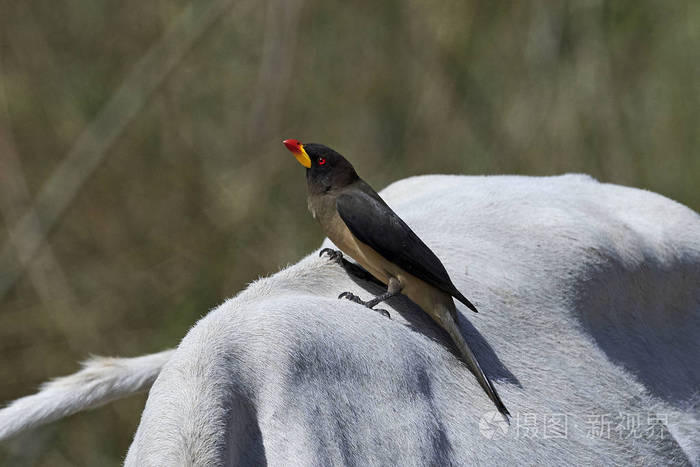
(321, 160)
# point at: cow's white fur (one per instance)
(590, 305)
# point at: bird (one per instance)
(359, 222)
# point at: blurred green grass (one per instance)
(197, 197)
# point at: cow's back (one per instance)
(588, 309)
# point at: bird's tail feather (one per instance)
(473, 365)
(458, 295)
(100, 381)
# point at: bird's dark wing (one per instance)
(375, 224)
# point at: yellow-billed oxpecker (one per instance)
(363, 226)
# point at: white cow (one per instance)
(589, 327)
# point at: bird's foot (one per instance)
(354, 298)
(333, 255)
(351, 268)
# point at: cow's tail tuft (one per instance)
(101, 380)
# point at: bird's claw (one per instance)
(382, 312)
(334, 255)
(354, 298)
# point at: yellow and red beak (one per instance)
(298, 150)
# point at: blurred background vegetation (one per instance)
(142, 179)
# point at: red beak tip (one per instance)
(292, 144)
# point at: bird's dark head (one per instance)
(325, 169)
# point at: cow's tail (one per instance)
(101, 380)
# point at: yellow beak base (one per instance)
(303, 158)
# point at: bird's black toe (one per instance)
(333, 255)
(382, 312)
(352, 297)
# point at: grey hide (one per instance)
(589, 299)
